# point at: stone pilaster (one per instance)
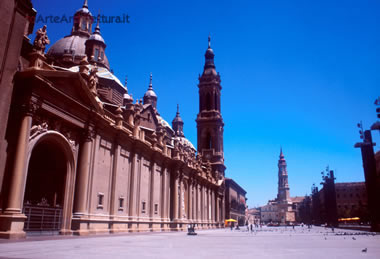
(163, 194)
(132, 187)
(151, 188)
(113, 205)
(175, 196)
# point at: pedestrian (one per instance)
(232, 226)
(251, 228)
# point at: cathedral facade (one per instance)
(83, 157)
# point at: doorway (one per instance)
(45, 188)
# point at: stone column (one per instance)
(113, 205)
(212, 205)
(81, 187)
(192, 195)
(12, 219)
(151, 188)
(198, 202)
(181, 198)
(190, 209)
(217, 208)
(116, 155)
(167, 194)
(205, 207)
(175, 196)
(133, 186)
(163, 193)
(201, 203)
(209, 206)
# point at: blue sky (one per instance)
(297, 74)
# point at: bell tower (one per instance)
(283, 186)
(209, 120)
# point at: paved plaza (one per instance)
(269, 242)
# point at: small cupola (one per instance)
(127, 99)
(95, 47)
(82, 21)
(177, 124)
(150, 96)
(209, 56)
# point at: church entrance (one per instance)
(45, 188)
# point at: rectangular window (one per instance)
(143, 207)
(96, 54)
(155, 208)
(121, 203)
(100, 200)
(102, 55)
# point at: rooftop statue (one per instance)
(41, 39)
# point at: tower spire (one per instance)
(150, 82)
(209, 41)
(97, 28)
(85, 4)
(177, 124)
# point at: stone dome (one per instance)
(74, 46)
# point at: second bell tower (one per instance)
(209, 120)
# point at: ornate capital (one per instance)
(30, 107)
(89, 134)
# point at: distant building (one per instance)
(235, 202)
(296, 204)
(281, 209)
(351, 199)
(269, 213)
(253, 216)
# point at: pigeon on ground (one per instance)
(353, 238)
(364, 250)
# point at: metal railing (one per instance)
(41, 218)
